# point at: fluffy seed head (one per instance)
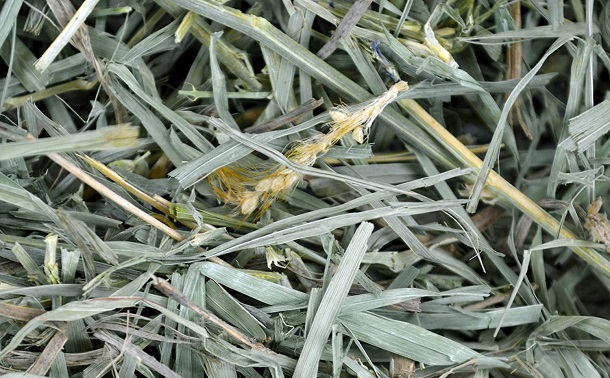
(358, 135)
(248, 202)
(265, 185)
(252, 188)
(597, 223)
(338, 115)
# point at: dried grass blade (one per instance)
(72, 27)
(347, 23)
(47, 357)
(494, 146)
(280, 121)
(179, 297)
(332, 300)
(104, 139)
(8, 17)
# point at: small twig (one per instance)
(111, 195)
(117, 179)
(488, 302)
(305, 107)
(108, 193)
(74, 85)
(135, 351)
(175, 294)
(513, 65)
(453, 369)
(45, 359)
(500, 187)
(155, 201)
(345, 26)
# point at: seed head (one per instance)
(358, 135)
(265, 185)
(597, 223)
(252, 188)
(248, 202)
(337, 115)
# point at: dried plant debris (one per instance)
(181, 195)
(252, 188)
(597, 223)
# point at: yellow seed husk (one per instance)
(265, 185)
(597, 223)
(248, 202)
(255, 188)
(358, 135)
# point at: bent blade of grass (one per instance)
(305, 83)
(12, 193)
(594, 326)
(243, 282)
(153, 125)
(124, 74)
(30, 266)
(228, 54)
(231, 310)
(293, 231)
(219, 84)
(8, 16)
(23, 66)
(330, 305)
(578, 72)
(283, 91)
(495, 144)
(411, 341)
(564, 31)
(157, 42)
